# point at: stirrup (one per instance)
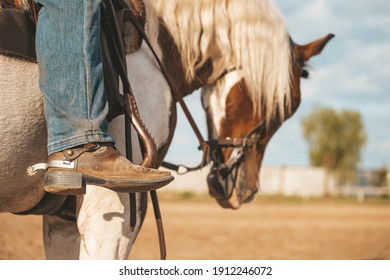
(60, 182)
(64, 183)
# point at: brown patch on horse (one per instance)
(240, 118)
(137, 7)
(174, 66)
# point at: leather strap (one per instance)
(202, 143)
(35, 10)
(116, 48)
(115, 45)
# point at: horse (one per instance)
(241, 56)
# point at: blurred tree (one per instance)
(335, 140)
(380, 177)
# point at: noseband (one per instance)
(240, 145)
(228, 170)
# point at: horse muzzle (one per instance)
(227, 190)
(220, 187)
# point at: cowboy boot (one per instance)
(102, 165)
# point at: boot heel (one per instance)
(65, 183)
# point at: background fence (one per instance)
(287, 181)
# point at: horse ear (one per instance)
(316, 47)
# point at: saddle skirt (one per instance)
(17, 27)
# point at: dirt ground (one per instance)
(265, 229)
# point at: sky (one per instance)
(352, 73)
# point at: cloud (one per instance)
(360, 83)
(357, 78)
(182, 139)
(385, 147)
(318, 10)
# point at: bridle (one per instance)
(211, 149)
(239, 145)
(228, 170)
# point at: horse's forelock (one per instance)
(250, 34)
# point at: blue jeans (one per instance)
(71, 73)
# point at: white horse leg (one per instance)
(104, 225)
(102, 230)
(103, 217)
(61, 238)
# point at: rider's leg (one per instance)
(71, 75)
(71, 80)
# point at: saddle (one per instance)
(18, 24)
(17, 30)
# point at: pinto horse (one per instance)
(238, 52)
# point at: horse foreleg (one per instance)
(104, 225)
(60, 238)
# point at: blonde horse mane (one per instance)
(250, 35)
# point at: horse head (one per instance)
(239, 135)
(241, 55)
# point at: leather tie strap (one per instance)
(35, 10)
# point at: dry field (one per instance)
(268, 228)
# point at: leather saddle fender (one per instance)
(18, 26)
(17, 33)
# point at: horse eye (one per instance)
(305, 74)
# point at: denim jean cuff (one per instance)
(79, 140)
